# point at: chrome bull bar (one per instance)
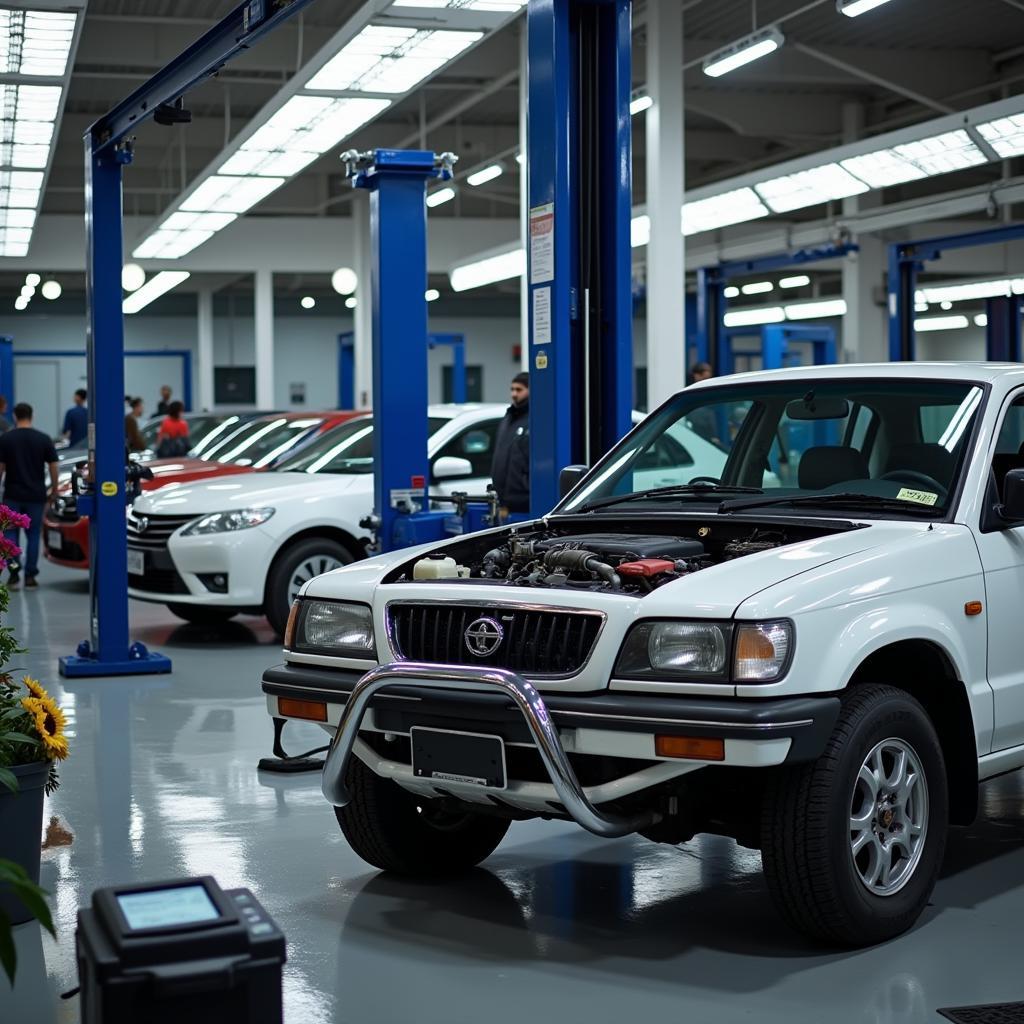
(457, 677)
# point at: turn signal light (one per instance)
(753, 646)
(694, 748)
(291, 707)
(289, 629)
(973, 608)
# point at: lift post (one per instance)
(712, 336)
(579, 256)
(108, 149)
(907, 259)
(397, 183)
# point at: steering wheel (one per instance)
(705, 480)
(912, 476)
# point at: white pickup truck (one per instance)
(818, 654)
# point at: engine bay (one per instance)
(617, 561)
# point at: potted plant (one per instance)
(32, 741)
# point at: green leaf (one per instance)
(18, 737)
(28, 892)
(8, 954)
(9, 779)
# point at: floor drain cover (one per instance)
(993, 1013)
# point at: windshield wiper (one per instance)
(849, 499)
(675, 491)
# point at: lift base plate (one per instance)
(73, 666)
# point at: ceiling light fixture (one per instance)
(153, 289)
(344, 281)
(639, 231)
(816, 310)
(133, 277)
(20, 303)
(500, 6)
(307, 302)
(853, 8)
(440, 196)
(501, 266)
(796, 281)
(1005, 135)
(731, 291)
(638, 104)
(940, 323)
(736, 55)
(733, 207)
(809, 188)
(981, 320)
(754, 317)
(484, 175)
(970, 291)
(757, 288)
(33, 280)
(51, 290)
(351, 302)
(431, 295)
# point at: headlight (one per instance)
(336, 628)
(762, 651)
(225, 522)
(715, 651)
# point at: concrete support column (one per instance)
(264, 318)
(204, 355)
(363, 313)
(865, 326)
(666, 266)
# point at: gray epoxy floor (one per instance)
(557, 925)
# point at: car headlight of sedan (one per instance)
(228, 522)
(746, 652)
(335, 627)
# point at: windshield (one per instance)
(345, 449)
(259, 443)
(898, 443)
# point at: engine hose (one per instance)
(582, 561)
(496, 562)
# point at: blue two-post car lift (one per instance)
(1002, 338)
(108, 150)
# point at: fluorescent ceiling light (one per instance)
(757, 288)
(883, 168)
(484, 175)
(344, 281)
(981, 320)
(307, 302)
(390, 59)
(32, 280)
(639, 231)
(754, 317)
(752, 48)
(133, 277)
(52, 290)
(20, 303)
(816, 310)
(639, 104)
(920, 307)
(499, 6)
(971, 290)
(796, 281)
(351, 302)
(734, 207)
(951, 151)
(36, 42)
(809, 188)
(940, 323)
(153, 289)
(221, 193)
(489, 270)
(852, 8)
(1005, 135)
(439, 196)
(731, 292)
(431, 295)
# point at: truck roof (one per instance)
(974, 371)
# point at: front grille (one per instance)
(159, 581)
(152, 532)
(537, 641)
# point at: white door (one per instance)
(144, 375)
(1002, 557)
(37, 381)
(474, 448)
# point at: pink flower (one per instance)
(10, 520)
(8, 550)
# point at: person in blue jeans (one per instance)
(25, 456)
(76, 419)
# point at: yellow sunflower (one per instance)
(49, 723)
(35, 688)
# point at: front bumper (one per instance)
(73, 549)
(757, 733)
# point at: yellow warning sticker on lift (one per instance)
(541, 362)
(921, 497)
(108, 489)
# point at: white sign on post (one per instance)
(542, 243)
(542, 316)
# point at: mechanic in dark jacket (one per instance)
(510, 469)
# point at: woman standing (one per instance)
(132, 435)
(172, 438)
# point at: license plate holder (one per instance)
(54, 539)
(444, 755)
(136, 562)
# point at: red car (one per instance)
(255, 445)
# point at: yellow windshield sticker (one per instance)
(921, 497)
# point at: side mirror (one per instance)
(1012, 509)
(569, 478)
(450, 467)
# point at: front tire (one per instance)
(394, 830)
(295, 566)
(853, 842)
(202, 615)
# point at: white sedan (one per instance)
(248, 543)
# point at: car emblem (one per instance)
(141, 524)
(484, 636)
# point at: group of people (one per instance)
(28, 456)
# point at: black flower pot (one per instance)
(21, 831)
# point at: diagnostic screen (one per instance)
(166, 908)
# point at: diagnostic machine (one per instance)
(178, 951)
